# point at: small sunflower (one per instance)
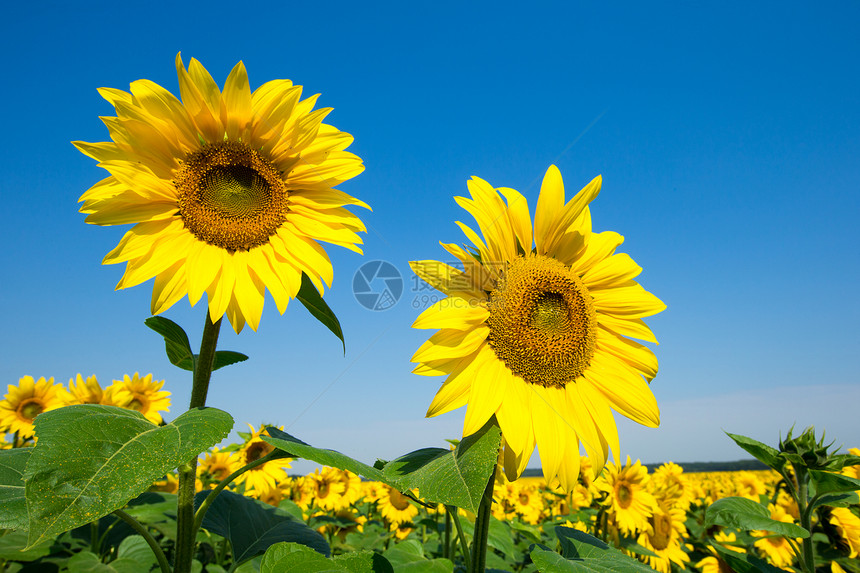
(302, 492)
(852, 471)
(217, 465)
(848, 526)
(82, 392)
(669, 484)
(142, 394)
(327, 489)
(534, 329)
(777, 549)
(665, 536)
(265, 476)
(230, 191)
(22, 403)
(396, 508)
(628, 502)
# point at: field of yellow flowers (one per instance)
(657, 517)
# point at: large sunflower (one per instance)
(230, 191)
(22, 403)
(534, 329)
(139, 393)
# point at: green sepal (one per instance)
(310, 297)
(745, 514)
(92, 459)
(762, 452)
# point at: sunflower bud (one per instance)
(804, 450)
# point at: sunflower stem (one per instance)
(807, 553)
(153, 544)
(185, 519)
(482, 528)
(464, 546)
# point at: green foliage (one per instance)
(581, 552)
(252, 526)
(745, 514)
(744, 562)
(760, 451)
(455, 478)
(294, 558)
(92, 459)
(178, 347)
(408, 557)
(13, 505)
(310, 297)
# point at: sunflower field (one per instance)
(538, 331)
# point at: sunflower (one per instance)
(229, 191)
(776, 548)
(217, 465)
(669, 484)
(82, 392)
(848, 526)
(628, 501)
(142, 394)
(396, 508)
(264, 476)
(664, 536)
(327, 489)
(537, 335)
(302, 492)
(22, 403)
(852, 471)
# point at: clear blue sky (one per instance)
(728, 139)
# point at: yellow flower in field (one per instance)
(22, 403)
(537, 335)
(665, 536)
(142, 394)
(348, 515)
(396, 508)
(776, 548)
(264, 476)
(628, 502)
(230, 191)
(668, 483)
(168, 484)
(372, 490)
(852, 471)
(351, 485)
(302, 492)
(836, 567)
(848, 526)
(748, 485)
(401, 530)
(327, 489)
(217, 465)
(82, 392)
(712, 563)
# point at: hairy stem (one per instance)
(482, 528)
(153, 544)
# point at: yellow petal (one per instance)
(518, 213)
(235, 105)
(597, 247)
(204, 261)
(548, 413)
(635, 355)
(455, 390)
(446, 279)
(452, 312)
(627, 391)
(630, 301)
(623, 326)
(598, 408)
(549, 205)
(168, 288)
(611, 271)
(248, 291)
(220, 292)
(451, 344)
(514, 415)
(488, 390)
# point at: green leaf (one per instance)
(136, 553)
(836, 499)
(226, 358)
(13, 505)
(547, 560)
(455, 478)
(408, 557)
(12, 544)
(87, 562)
(743, 563)
(175, 342)
(499, 537)
(829, 482)
(294, 558)
(298, 449)
(363, 562)
(252, 526)
(742, 513)
(92, 459)
(588, 553)
(309, 296)
(762, 452)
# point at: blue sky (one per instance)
(727, 137)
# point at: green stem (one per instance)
(153, 544)
(464, 546)
(482, 528)
(807, 556)
(210, 499)
(185, 530)
(446, 543)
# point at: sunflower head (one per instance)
(142, 394)
(230, 191)
(535, 329)
(24, 402)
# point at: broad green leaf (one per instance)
(743, 563)
(252, 526)
(363, 562)
(12, 544)
(175, 342)
(836, 499)
(455, 478)
(588, 553)
(499, 537)
(298, 449)
(226, 358)
(762, 452)
(745, 514)
(547, 560)
(829, 482)
(408, 557)
(92, 459)
(137, 552)
(309, 296)
(13, 505)
(294, 558)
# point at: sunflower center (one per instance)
(257, 450)
(624, 495)
(31, 408)
(398, 500)
(542, 321)
(662, 531)
(139, 403)
(230, 196)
